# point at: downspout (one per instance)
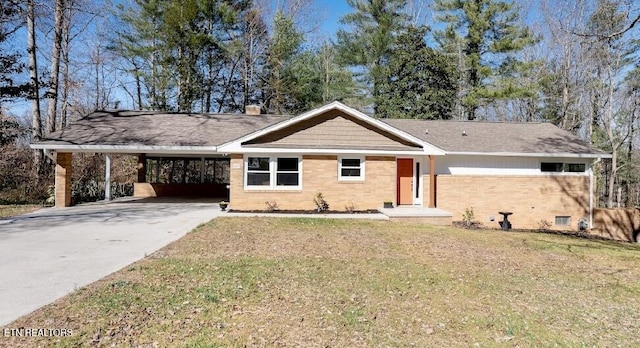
(107, 178)
(591, 186)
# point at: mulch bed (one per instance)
(310, 212)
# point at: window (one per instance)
(258, 171)
(273, 172)
(350, 169)
(287, 173)
(551, 167)
(560, 167)
(575, 167)
(563, 220)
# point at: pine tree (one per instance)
(10, 64)
(483, 33)
(421, 82)
(368, 46)
(285, 46)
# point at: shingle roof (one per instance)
(494, 137)
(151, 128)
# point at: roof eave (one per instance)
(127, 148)
(532, 154)
(370, 152)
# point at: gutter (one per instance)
(591, 186)
(531, 154)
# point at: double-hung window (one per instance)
(351, 168)
(273, 172)
(287, 171)
(258, 171)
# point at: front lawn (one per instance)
(238, 282)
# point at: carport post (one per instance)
(107, 178)
(63, 179)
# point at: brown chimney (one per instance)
(252, 109)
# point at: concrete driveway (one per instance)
(49, 253)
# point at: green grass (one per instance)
(238, 282)
(17, 209)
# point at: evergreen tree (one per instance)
(368, 46)
(285, 46)
(483, 33)
(317, 79)
(421, 82)
(184, 52)
(10, 64)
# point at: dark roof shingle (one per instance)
(494, 137)
(152, 128)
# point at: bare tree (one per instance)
(36, 121)
(52, 92)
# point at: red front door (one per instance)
(405, 180)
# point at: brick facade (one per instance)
(63, 179)
(532, 199)
(320, 174)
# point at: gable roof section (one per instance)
(334, 127)
(148, 131)
(331, 128)
(498, 138)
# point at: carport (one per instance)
(177, 152)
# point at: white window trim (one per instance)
(351, 178)
(273, 167)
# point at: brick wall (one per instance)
(63, 179)
(530, 198)
(320, 174)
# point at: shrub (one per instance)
(320, 202)
(271, 205)
(468, 217)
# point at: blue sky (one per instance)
(334, 10)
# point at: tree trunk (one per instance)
(66, 47)
(52, 93)
(36, 122)
(34, 95)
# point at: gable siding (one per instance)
(333, 130)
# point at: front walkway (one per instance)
(432, 216)
(49, 253)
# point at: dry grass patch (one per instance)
(238, 282)
(17, 209)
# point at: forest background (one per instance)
(573, 63)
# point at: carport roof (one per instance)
(123, 130)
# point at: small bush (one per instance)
(271, 206)
(320, 202)
(544, 225)
(468, 217)
(350, 208)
